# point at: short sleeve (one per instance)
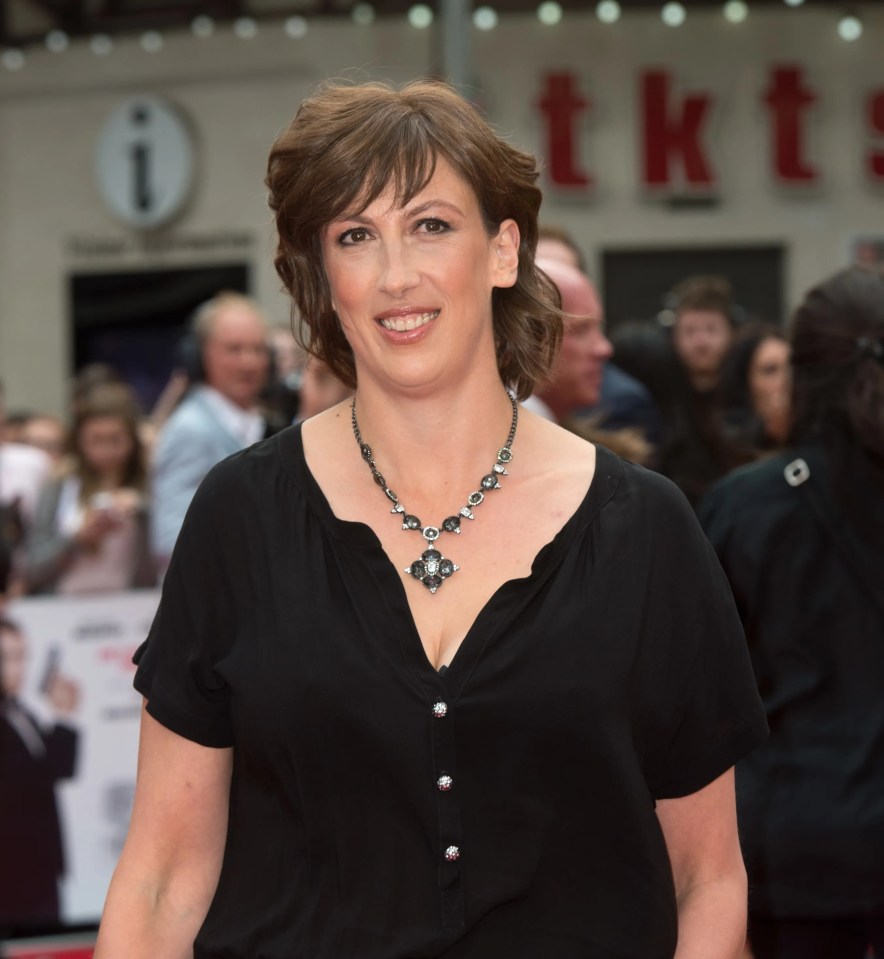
(701, 707)
(195, 623)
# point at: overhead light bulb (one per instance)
(57, 41)
(101, 44)
(608, 11)
(152, 41)
(12, 59)
(549, 13)
(420, 16)
(363, 14)
(673, 14)
(485, 18)
(850, 28)
(245, 28)
(202, 26)
(736, 11)
(793, 3)
(296, 27)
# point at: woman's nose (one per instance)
(398, 271)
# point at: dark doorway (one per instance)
(134, 321)
(636, 281)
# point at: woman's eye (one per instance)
(433, 225)
(351, 237)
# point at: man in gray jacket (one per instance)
(218, 416)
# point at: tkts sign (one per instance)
(674, 157)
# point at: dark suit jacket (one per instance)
(31, 850)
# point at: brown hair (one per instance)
(838, 363)
(713, 293)
(345, 146)
(111, 400)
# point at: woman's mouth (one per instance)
(401, 324)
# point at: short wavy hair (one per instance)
(346, 145)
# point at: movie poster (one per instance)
(68, 748)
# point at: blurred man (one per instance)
(704, 328)
(32, 759)
(624, 402)
(576, 379)
(218, 416)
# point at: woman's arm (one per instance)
(168, 871)
(710, 879)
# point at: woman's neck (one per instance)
(453, 435)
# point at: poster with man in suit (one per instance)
(35, 755)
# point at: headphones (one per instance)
(188, 356)
(188, 353)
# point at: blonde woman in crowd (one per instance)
(90, 528)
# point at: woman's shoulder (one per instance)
(253, 472)
(632, 491)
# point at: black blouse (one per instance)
(382, 810)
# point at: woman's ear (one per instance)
(505, 256)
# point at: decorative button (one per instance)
(440, 709)
(452, 854)
(444, 782)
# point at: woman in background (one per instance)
(754, 388)
(801, 537)
(90, 528)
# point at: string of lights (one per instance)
(673, 13)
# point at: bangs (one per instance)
(387, 151)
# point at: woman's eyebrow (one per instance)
(429, 204)
(362, 217)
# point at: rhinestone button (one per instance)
(444, 782)
(452, 854)
(440, 710)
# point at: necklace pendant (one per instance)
(432, 569)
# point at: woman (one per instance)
(754, 388)
(90, 529)
(801, 537)
(366, 736)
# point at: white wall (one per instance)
(238, 94)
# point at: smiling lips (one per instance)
(402, 322)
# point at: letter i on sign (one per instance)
(139, 153)
(144, 161)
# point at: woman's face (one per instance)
(701, 338)
(105, 444)
(412, 285)
(769, 373)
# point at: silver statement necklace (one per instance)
(432, 568)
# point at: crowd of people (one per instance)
(774, 434)
(97, 506)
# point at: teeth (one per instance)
(400, 324)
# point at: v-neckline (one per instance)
(497, 611)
